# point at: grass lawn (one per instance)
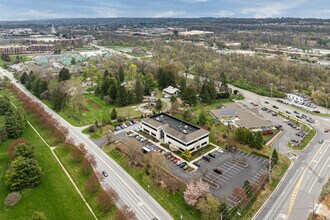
(55, 196)
(93, 135)
(102, 111)
(201, 152)
(172, 202)
(74, 170)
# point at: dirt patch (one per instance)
(326, 201)
(94, 104)
(82, 107)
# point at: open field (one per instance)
(53, 194)
(74, 170)
(98, 110)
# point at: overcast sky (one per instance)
(45, 9)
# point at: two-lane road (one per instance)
(129, 191)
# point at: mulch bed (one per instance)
(82, 107)
(94, 104)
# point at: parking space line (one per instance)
(260, 159)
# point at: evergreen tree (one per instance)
(204, 94)
(159, 104)
(130, 97)
(23, 172)
(64, 74)
(149, 83)
(105, 85)
(59, 99)
(224, 212)
(274, 158)
(25, 150)
(183, 84)
(113, 115)
(121, 74)
(224, 83)
(5, 105)
(73, 61)
(258, 141)
(113, 89)
(13, 127)
(3, 134)
(139, 90)
(202, 118)
(189, 96)
(212, 90)
(121, 98)
(24, 78)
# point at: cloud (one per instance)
(224, 13)
(271, 9)
(169, 14)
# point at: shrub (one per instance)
(12, 199)
(13, 145)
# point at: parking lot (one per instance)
(293, 132)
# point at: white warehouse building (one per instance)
(175, 132)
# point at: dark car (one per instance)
(274, 106)
(274, 114)
(264, 109)
(266, 102)
(211, 155)
(218, 170)
(196, 164)
(296, 112)
(207, 158)
(183, 164)
(288, 112)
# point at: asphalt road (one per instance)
(293, 198)
(129, 191)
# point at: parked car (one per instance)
(218, 170)
(288, 112)
(183, 164)
(179, 162)
(117, 128)
(320, 141)
(104, 173)
(211, 155)
(274, 114)
(266, 102)
(274, 106)
(197, 164)
(326, 130)
(186, 167)
(296, 112)
(263, 108)
(220, 150)
(134, 121)
(207, 158)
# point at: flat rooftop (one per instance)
(182, 130)
(175, 123)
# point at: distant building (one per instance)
(138, 50)
(175, 132)
(195, 32)
(171, 91)
(240, 116)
